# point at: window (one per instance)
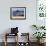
(41, 8)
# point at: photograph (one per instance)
(18, 13)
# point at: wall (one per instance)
(24, 25)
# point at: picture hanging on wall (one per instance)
(18, 13)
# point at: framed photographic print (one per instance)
(17, 13)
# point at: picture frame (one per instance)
(18, 13)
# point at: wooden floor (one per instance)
(13, 44)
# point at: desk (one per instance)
(8, 34)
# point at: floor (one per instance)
(13, 44)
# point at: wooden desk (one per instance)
(8, 34)
(22, 34)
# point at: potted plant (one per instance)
(39, 35)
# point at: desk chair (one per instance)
(14, 32)
(26, 37)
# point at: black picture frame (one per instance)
(18, 13)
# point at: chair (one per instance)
(14, 32)
(25, 37)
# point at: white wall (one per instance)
(24, 25)
(5, 21)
